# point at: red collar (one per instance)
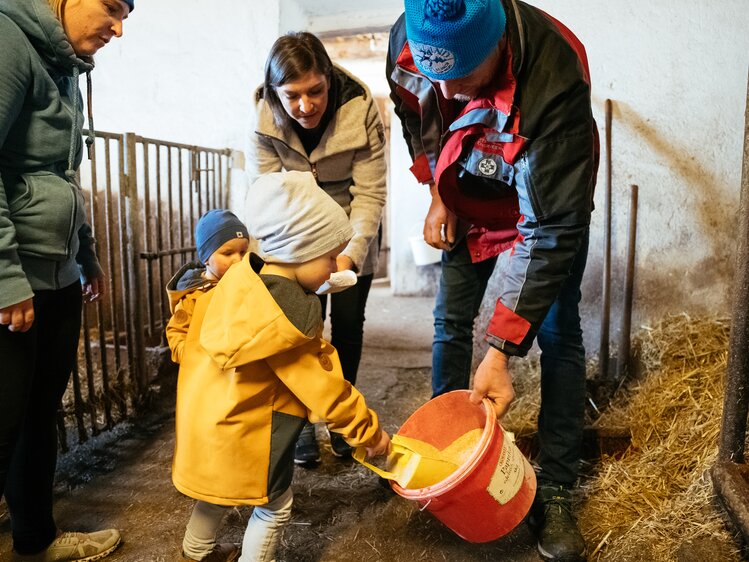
(501, 91)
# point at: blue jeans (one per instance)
(560, 421)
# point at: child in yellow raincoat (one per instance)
(254, 368)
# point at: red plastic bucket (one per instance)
(492, 491)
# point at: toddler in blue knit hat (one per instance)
(221, 240)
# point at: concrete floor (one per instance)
(341, 512)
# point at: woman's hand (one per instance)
(382, 447)
(18, 317)
(493, 381)
(94, 289)
(344, 263)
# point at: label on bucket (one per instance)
(509, 473)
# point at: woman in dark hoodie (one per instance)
(48, 263)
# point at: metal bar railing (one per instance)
(119, 396)
(147, 229)
(159, 235)
(103, 355)
(146, 197)
(170, 206)
(134, 219)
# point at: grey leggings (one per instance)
(260, 537)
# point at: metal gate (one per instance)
(145, 196)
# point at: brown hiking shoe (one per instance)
(76, 547)
(224, 552)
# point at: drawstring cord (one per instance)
(70, 172)
(75, 129)
(91, 137)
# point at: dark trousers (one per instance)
(561, 419)
(347, 324)
(36, 367)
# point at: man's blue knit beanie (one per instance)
(450, 38)
(214, 229)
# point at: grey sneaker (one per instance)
(76, 547)
(559, 539)
(307, 452)
(224, 552)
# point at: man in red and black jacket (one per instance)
(494, 100)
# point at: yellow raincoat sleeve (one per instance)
(312, 372)
(243, 324)
(178, 326)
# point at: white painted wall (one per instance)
(324, 16)
(677, 75)
(184, 70)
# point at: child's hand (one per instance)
(382, 447)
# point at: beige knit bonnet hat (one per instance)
(293, 219)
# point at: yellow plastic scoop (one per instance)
(411, 463)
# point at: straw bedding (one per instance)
(657, 497)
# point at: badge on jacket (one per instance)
(181, 316)
(487, 166)
(325, 361)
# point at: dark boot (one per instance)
(338, 444)
(559, 539)
(307, 451)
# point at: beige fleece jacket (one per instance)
(348, 163)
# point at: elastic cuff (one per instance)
(507, 325)
(505, 347)
(374, 440)
(421, 170)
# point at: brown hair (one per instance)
(291, 57)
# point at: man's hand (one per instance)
(18, 317)
(382, 447)
(344, 262)
(94, 289)
(493, 381)
(439, 220)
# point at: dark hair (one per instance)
(291, 57)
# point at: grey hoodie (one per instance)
(45, 242)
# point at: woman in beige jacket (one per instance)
(315, 117)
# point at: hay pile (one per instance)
(644, 505)
(522, 417)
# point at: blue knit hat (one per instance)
(450, 38)
(215, 228)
